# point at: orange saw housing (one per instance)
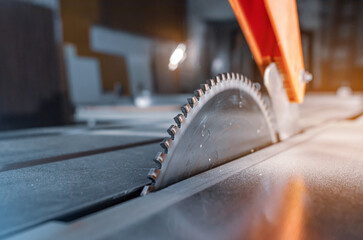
(271, 28)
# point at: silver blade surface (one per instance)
(226, 119)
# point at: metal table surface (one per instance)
(309, 187)
(17, 153)
(59, 190)
(71, 173)
(51, 184)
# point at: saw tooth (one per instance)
(172, 130)
(239, 76)
(165, 144)
(259, 95)
(205, 87)
(153, 174)
(247, 81)
(223, 77)
(164, 160)
(227, 76)
(146, 190)
(250, 83)
(217, 79)
(193, 101)
(211, 82)
(220, 77)
(179, 119)
(198, 93)
(186, 109)
(159, 159)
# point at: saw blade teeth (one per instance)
(223, 77)
(153, 174)
(159, 159)
(217, 79)
(205, 87)
(246, 80)
(238, 77)
(146, 190)
(249, 83)
(260, 95)
(211, 83)
(220, 77)
(172, 130)
(166, 144)
(198, 93)
(193, 101)
(213, 86)
(179, 119)
(186, 109)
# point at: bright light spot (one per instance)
(344, 91)
(177, 57)
(144, 100)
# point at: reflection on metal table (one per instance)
(85, 184)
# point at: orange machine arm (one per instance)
(271, 28)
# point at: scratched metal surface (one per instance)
(21, 151)
(313, 190)
(32, 195)
(214, 203)
(310, 187)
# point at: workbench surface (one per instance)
(55, 186)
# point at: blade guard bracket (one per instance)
(271, 28)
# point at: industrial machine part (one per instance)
(286, 113)
(226, 119)
(107, 166)
(272, 31)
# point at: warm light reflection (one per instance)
(177, 57)
(287, 219)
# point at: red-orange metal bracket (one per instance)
(271, 28)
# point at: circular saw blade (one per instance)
(226, 119)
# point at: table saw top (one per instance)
(77, 182)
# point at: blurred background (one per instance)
(87, 62)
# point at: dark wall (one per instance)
(153, 18)
(32, 92)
